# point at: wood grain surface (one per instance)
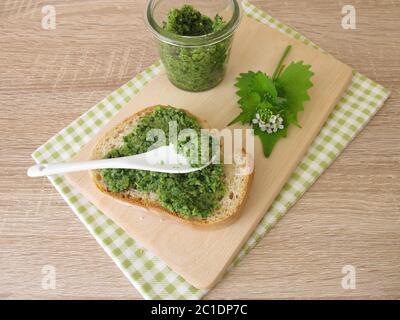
(49, 77)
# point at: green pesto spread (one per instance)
(194, 194)
(196, 68)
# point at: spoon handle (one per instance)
(149, 161)
(40, 170)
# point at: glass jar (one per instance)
(194, 63)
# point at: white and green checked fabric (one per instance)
(150, 276)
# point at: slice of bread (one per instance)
(237, 185)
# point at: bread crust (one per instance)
(154, 205)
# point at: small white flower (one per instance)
(274, 123)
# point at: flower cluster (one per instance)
(267, 121)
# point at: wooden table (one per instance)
(351, 216)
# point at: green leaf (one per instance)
(285, 94)
(257, 82)
(249, 105)
(269, 140)
(254, 87)
(294, 83)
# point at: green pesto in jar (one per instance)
(196, 68)
(194, 194)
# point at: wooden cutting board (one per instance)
(202, 254)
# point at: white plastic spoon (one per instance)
(162, 159)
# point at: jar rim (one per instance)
(192, 41)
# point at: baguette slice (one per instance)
(237, 185)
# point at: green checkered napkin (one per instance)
(150, 276)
